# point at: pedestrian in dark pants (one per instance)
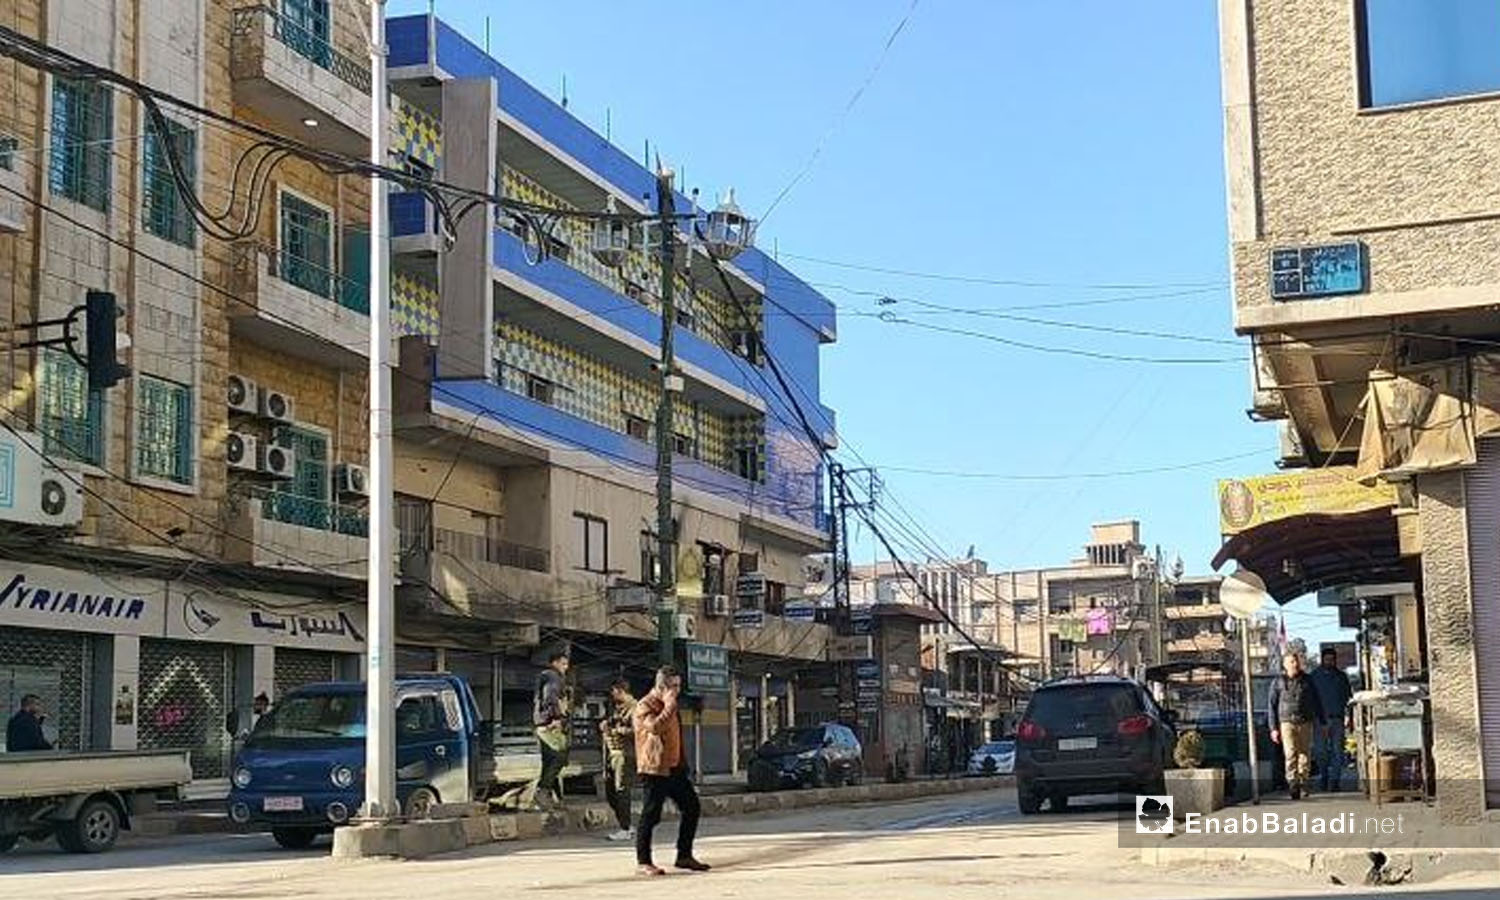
(24, 731)
(550, 715)
(1334, 693)
(618, 729)
(663, 773)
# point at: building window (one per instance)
(72, 416)
(164, 208)
(304, 499)
(306, 28)
(747, 463)
(593, 533)
(82, 126)
(650, 559)
(306, 245)
(1411, 52)
(164, 430)
(8, 147)
(684, 445)
(686, 319)
(540, 389)
(638, 428)
(713, 569)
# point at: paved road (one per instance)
(974, 845)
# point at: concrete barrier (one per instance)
(403, 840)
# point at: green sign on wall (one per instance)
(707, 669)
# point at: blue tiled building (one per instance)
(526, 410)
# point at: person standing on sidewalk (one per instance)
(663, 773)
(550, 715)
(1334, 693)
(23, 733)
(1294, 708)
(618, 729)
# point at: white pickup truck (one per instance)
(83, 799)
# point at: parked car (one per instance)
(994, 758)
(822, 756)
(1090, 735)
(83, 800)
(301, 772)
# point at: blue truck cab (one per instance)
(301, 772)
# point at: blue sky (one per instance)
(1073, 143)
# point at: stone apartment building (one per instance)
(1363, 178)
(217, 493)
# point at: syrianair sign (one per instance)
(69, 600)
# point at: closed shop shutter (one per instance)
(294, 668)
(1482, 490)
(56, 666)
(185, 690)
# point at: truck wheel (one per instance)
(95, 830)
(294, 838)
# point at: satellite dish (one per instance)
(1242, 594)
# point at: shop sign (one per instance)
(749, 618)
(800, 612)
(846, 648)
(1320, 270)
(69, 600)
(200, 614)
(867, 668)
(863, 621)
(751, 586)
(1246, 503)
(904, 686)
(707, 669)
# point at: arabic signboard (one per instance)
(69, 600)
(751, 586)
(1246, 503)
(844, 648)
(199, 613)
(749, 618)
(1322, 270)
(867, 668)
(862, 621)
(630, 598)
(707, 669)
(800, 612)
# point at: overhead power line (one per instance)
(1006, 281)
(1069, 476)
(1067, 351)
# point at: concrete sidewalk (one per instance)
(1393, 843)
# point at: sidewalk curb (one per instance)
(1343, 865)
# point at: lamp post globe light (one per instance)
(610, 242)
(728, 232)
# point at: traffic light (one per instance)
(99, 314)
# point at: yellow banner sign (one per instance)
(1246, 503)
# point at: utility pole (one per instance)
(671, 384)
(843, 622)
(1161, 653)
(380, 694)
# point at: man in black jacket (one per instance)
(1294, 707)
(551, 717)
(24, 732)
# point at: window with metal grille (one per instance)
(540, 389)
(71, 417)
(8, 147)
(164, 208)
(304, 500)
(164, 430)
(306, 245)
(305, 28)
(82, 125)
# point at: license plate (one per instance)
(1085, 743)
(283, 804)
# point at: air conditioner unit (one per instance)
(716, 605)
(350, 480)
(1142, 568)
(276, 406)
(277, 462)
(35, 490)
(242, 395)
(241, 451)
(687, 627)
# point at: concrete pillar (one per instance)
(1450, 647)
(791, 701)
(440, 659)
(117, 690)
(734, 723)
(765, 710)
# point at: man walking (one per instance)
(1294, 708)
(24, 731)
(618, 729)
(1334, 692)
(550, 715)
(663, 772)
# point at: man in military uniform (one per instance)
(619, 756)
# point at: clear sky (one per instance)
(1075, 144)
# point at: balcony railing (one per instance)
(296, 37)
(486, 549)
(311, 512)
(313, 278)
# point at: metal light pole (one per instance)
(380, 733)
(671, 384)
(1156, 608)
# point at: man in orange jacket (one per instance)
(663, 773)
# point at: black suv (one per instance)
(822, 756)
(1090, 735)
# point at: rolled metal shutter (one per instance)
(185, 690)
(294, 668)
(56, 666)
(1482, 490)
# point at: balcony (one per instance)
(277, 530)
(305, 310)
(292, 76)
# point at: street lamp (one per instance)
(610, 243)
(728, 232)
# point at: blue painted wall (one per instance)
(798, 321)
